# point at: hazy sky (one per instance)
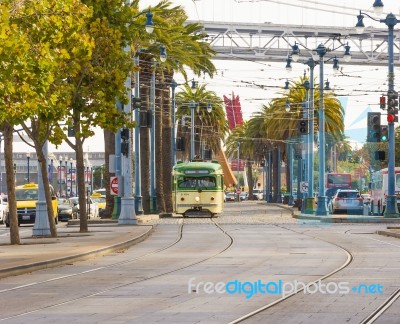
(355, 84)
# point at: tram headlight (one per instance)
(212, 198)
(197, 199)
(182, 199)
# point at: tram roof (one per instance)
(198, 165)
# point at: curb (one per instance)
(26, 268)
(385, 233)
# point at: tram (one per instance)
(198, 188)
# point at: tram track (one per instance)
(115, 287)
(375, 315)
(350, 258)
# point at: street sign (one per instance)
(303, 186)
(114, 186)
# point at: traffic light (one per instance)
(374, 127)
(125, 134)
(380, 155)
(384, 133)
(382, 102)
(136, 103)
(393, 103)
(303, 126)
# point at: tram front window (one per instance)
(204, 182)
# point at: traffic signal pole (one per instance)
(391, 199)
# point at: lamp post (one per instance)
(70, 175)
(173, 139)
(60, 177)
(311, 64)
(65, 174)
(126, 207)
(42, 225)
(321, 50)
(153, 200)
(238, 170)
(322, 209)
(390, 21)
(28, 157)
(192, 108)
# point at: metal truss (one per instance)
(271, 42)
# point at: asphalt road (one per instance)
(220, 271)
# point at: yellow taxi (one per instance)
(27, 197)
(101, 202)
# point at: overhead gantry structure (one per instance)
(273, 42)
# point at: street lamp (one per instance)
(173, 117)
(237, 166)
(192, 108)
(126, 207)
(390, 21)
(70, 174)
(28, 157)
(60, 177)
(65, 174)
(321, 50)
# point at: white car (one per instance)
(93, 208)
(3, 208)
(258, 194)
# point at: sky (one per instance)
(358, 86)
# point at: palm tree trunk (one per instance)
(159, 158)
(145, 68)
(166, 165)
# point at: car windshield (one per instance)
(348, 194)
(26, 194)
(99, 199)
(74, 200)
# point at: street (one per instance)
(254, 263)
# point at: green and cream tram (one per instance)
(198, 188)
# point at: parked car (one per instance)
(258, 194)
(3, 208)
(93, 209)
(101, 203)
(64, 209)
(244, 195)
(230, 196)
(347, 200)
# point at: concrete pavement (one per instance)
(104, 236)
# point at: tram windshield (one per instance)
(197, 182)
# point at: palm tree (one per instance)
(276, 125)
(186, 47)
(210, 126)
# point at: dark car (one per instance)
(64, 209)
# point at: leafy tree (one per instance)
(100, 82)
(186, 47)
(32, 55)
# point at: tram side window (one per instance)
(398, 180)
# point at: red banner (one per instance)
(234, 165)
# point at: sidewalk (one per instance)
(104, 236)
(391, 230)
